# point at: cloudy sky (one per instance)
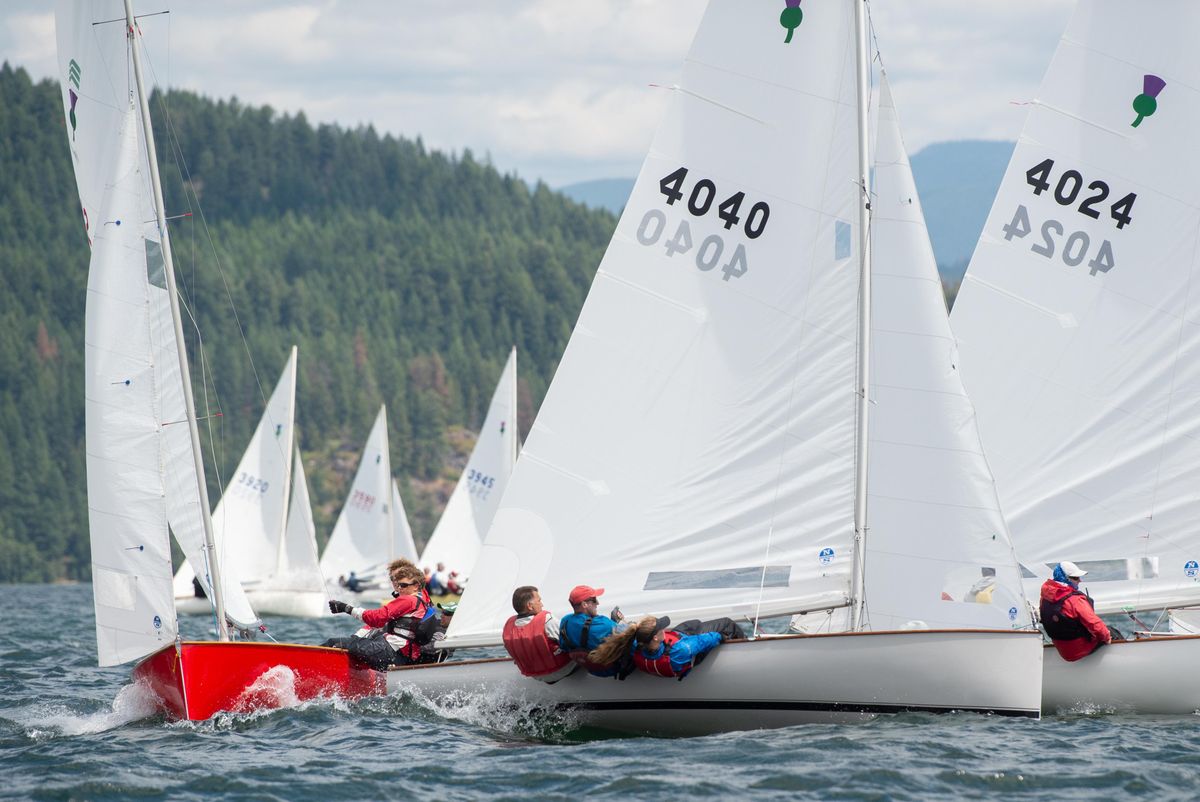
(552, 89)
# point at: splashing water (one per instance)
(133, 702)
(498, 713)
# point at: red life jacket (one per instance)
(531, 650)
(661, 666)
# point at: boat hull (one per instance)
(773, 682)
(289, 604)
(198, 679)
(1150, 675)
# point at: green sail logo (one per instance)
(791, 18)
(1146, 103)
(74, 73)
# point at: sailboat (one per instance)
(372, 529)
(145, 474)
(704, 448)
(263, 522)
(459, 532)
(1075, 323)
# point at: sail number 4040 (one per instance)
(704, 193)
(1075, 248)
(1069, 187)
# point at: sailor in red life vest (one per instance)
(1068, 617)
(390, 635)
(531, 638)
(660, 651)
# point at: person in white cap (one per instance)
(1068, 615)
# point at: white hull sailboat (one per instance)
(263, 523)
(1076, 327)
(704, 447)
(145, 474)
(459, 532)
(372, 529)
(772, 682)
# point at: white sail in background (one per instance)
(1077, 318)
(938, 550)
(132, 318)
(402, 537)
(248, 521)
(362, 539)
(299, 567)
(459, 533)
(694, 454)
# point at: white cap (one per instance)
(1071, 569)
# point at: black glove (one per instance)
(336, 607)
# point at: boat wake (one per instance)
(133, 702)
(509, 715)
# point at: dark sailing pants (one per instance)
(374, 651)
(726, 626)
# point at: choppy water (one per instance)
(70, 730)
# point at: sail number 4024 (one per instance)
(1069, 186)
(1075, 248)
(711, 251)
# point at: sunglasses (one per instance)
(406, 584)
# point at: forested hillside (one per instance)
(403, 275)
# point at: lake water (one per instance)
(70, 730)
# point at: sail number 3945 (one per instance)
(712, 249)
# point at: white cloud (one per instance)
(555, 89)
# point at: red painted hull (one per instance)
(202, 678)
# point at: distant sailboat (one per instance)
(262, 525)
(372, 529)
(1076, 323)
(703, 447)
(143, 446)
(459, 532)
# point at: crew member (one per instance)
(583, 630)
(392, 634)
(1068, 615)
(531, 638)
(658, 650)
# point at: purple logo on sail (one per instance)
(791, 18)
(1146, 103)
(74, 75)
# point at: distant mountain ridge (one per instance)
(956, 182)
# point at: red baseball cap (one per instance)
(581, 592)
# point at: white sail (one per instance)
(459, 532)
(1076, 320)
(402, 537)
(362, 537)
(299, 567)
(938, 550)
(103, 128)
(694, 453)
(248, 521)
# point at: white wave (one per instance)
(133, 702)
(497, 713)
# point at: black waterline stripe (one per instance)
(834, 707)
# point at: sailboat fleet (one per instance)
(762, 411)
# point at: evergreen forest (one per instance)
(404, 275)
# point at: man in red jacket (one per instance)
(531, 638)
(1068, 617)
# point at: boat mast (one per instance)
(160, 215)
(388, 487)
(862, 60)
(516, 433)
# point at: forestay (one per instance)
(938, 551)
(248, 521)
(694, 453)
(362, 539)
(141, 470)
(459, 532)
(1077, 320)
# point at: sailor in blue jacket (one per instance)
(663, 652)
(583, 630)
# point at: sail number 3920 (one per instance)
(711, 251)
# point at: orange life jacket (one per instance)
(661, 666)
(531, 650)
